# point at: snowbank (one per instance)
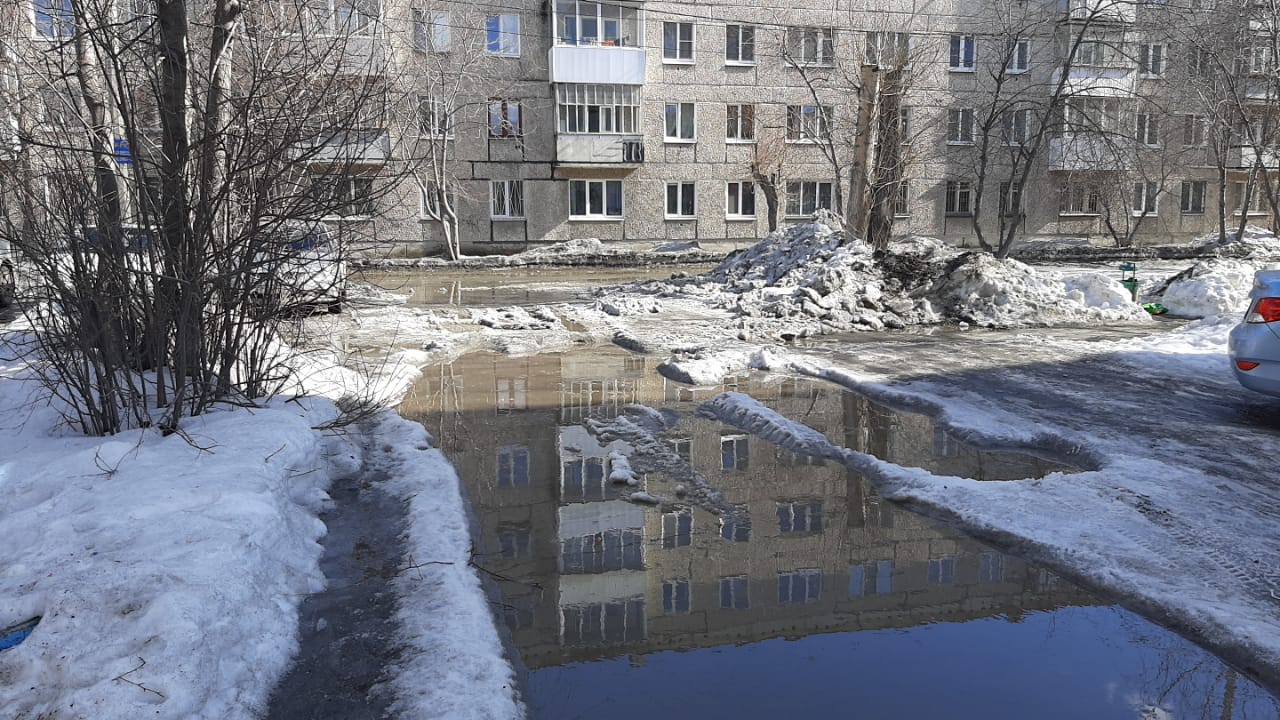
(1209, 288)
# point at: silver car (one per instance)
(1255, 343)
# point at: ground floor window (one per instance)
(347, 196)
(1193, 197)
(1078, 200)
(902, 199)
(1145, 197)
(595, 199)
(506, 199)
(806, 197)
(681, 200)
(1255, 198)
(740, 200)
(959, 197)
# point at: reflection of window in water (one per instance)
(800, 586)
(675, 392)
(513, 466)
(585, 480)
(787, 458)
(675, 596)
(1046, 581)
(442, 393)
(510, 394)
(734, 593)
(878, 512)
(616, 621)
(801, 516)
(518, 613)
(736, 524)
(796, 388)
(991, 567)
(514, 541)
(602, 552)
(581, 398)
(684, 448)
(733, 383)
(857, 581)
(944, 446)
(733, 452)
(884, 576)
(633, 363)
(942, 571)
(677, 529)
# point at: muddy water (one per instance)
(813, 598)
(511, 286)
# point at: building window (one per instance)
(605, 623)
(677, 529)
(432, 200)
(510, 394)
(53, 18)
(357, 17)
(902, 199)
(595, 199)
(593, 23)
(1010, 199)
(505, 119)
(808, 123)
(740, 123)
(990, 567)
(431, 31)
(506, 199)
(806, 197)
(811, 46)
(942, 571)
(734, 452)
(960, 126)
(1145, 196)
(1097, 50)
(1091, 114)
(1151, 60)
(345, 196)
(887, 49)
(1148, 129)
(1193, 130)
(1078, 200)
(801, 516)
(800, 587)
(959, 197)
(740, 45)
(1193, 197)
(740, 199)
(502, 35)
(735, 525)
(675, 596)
(680, 123)
(1019, 58)
(434, 118)
(683, 448)
(513, 466)
(677, 42)
(735, 593)
(962, 53)
(1015, 127)
(607, 551)
(514, 541)
(904, 124)
(681, 200)
(598, 109)
(1255, 198)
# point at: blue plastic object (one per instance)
(13, 635)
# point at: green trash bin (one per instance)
(1129, 278)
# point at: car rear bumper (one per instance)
(1256, 342)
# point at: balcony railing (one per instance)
(1100, 10)
(618, 150)
(1089, 152)
(1243, 157)
(597, 64)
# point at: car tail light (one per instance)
(1246, 365)
(1264, 311)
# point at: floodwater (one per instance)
(813, 598)
(496, 287)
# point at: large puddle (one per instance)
(813, 597)
(499, 287)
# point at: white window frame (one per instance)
(432, 31)
(685, 197)
(353, 197)
(960, 126)
(1019, 60)
(740, 123)
(735, 202)
(502, 35)
(746, 40)
(684, 51)
(1151, 59)
(1010, 199)
(902, 199)
(958, 196)
(426, 200)
(798, 190)
(878, 43)
(500, 123)
(1193, 130)
(1015, 127)
(603, 214)
(1255, 201)
(506, 200)
(616, 107)
(1079, 200)
(1192, 197)
(808, 123)
(811, 46)
(434, 111)
(681, 110)
(1146, 198)
(807, 581)
(963, 55)
(60, 22)
(1147, 129)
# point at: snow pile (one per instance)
(981, 290)
(620, 469)
(618, 305)
(1209, 288)
(561, 250)
(1256, 243)
(167, 570)
(516, 318)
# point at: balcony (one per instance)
(1097, 81)
(597, 64)
(1124, 11)
(594, 150)
(1089, 152)
(1243, 157)
(367, 147)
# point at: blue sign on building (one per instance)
(121, 151)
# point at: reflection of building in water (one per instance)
(809, 548)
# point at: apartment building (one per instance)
(535, 122)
